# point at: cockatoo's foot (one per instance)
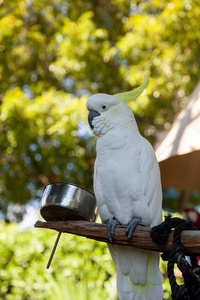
(131, 227)
(112, 223)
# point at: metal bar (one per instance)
(54, 249)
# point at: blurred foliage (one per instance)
(41, 143)
(81, 268)
(54, 54)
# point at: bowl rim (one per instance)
(70, 184)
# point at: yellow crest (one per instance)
(132, 95)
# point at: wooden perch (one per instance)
(141, 237)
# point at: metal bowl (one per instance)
(66, 201)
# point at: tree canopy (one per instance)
(54, 54)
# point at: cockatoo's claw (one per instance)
(131, 227)
(112, 223)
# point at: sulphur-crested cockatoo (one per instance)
(128, 190)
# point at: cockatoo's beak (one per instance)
(92, 114)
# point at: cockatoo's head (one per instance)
(107, 112)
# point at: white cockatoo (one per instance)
(128, 190)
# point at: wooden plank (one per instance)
(141, 237)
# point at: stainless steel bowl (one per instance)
(66, 201)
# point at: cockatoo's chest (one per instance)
(118, 180)
(117, 166)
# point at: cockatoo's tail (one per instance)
(132, 95)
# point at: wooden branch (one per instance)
(141, 237)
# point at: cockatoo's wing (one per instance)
(150, 174)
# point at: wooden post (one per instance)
(141, 236)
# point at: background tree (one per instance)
(54, 54)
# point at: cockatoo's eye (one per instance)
(104, 107)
